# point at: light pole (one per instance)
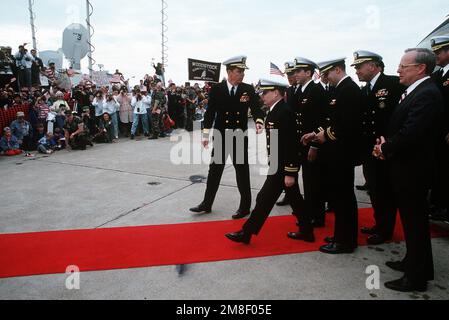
(33, 27)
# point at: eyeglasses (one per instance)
(403, 66)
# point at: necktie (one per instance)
(233, 92)
(327, 88)
(368, 88)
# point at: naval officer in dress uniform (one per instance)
(380, 97)
(339, 148)
(283, 153)
(292, 101)
(309, 111)
(227, 113)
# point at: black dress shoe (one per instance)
(329, 239)
(304, 236)
(336, 248)
(240, 237)
(283, 202)
(375, 240)
(396, 265)
(405, 285)
(369, 231)
(201, 208)
(240, 214)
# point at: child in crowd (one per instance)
(47, 144)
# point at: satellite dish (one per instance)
(74, 44)
(52, 56)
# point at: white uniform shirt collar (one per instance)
(374, 80)
(230, 87)
(304, 87)
(416, 84)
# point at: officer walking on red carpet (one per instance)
(284, 164)
(227, 112)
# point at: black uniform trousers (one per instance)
(314, 189)
(340, 175)
(266, 199)
(241, 170)
(411, 197)
(382, 195)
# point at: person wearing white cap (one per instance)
(338, 138)
(439, 199)
(380, 97)
(309, 110)
(227, 112)
(284, 162)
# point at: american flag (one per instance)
(275, 70)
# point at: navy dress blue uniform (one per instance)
(283, 152)
(414, 124)
(378, 104)
(440, 188)
(341, 153)
(309, 110)
(228, 113)
(294, 91)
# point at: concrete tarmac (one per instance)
(135, 183)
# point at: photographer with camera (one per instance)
(138, 103)
(24, 62)
(99, 104)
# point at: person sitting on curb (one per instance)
(9, 145)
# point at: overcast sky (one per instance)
(127, 33)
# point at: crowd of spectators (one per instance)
(44, 118)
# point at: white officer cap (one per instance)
(438, 43)
(237, 62)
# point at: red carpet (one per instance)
(134, 247)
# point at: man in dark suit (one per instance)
(409, 149)
(339, 149)
(440, 187)
(309, 111)
(380, 97)
(283, 153)
(227, 113)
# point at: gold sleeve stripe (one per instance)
(331, 134)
